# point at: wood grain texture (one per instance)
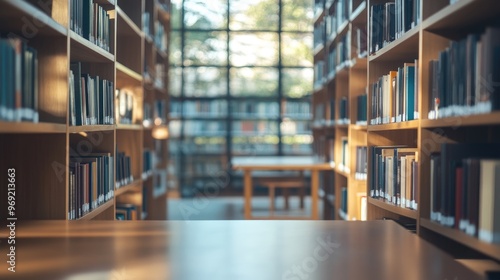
(272, 250)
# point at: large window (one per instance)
(240, 79)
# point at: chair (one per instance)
(282, 180)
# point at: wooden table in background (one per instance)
(284, 163)
(225, 250)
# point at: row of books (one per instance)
(260, 109)
(146, 24)
(124, 174)
(361, 41)
(321, 119)
(395, 96)
(126, 101)
(389, 21)
(91, 21)
(199, 108)
(319, 74)
(337, 17)
(149, 160)
(344, 160)
(197, 166)
(464, 188)
(160, 37)
(127, 211)
(297, 109)
(319, 34)
(361, 172)
(90, 183)
(362, 113)
(395, 175)
(339, 56)
(155, 115)
(160, 181)
(91, 99)
(19, 81)
(465, 79)
(343, 203)
(261, 127)
(199, 146)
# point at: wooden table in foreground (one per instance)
(299, 163)
(232, 250)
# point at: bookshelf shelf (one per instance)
(342, 172)
(472, 120)
(105, 2)
(98, 211)
(464, 13)
(90, 128)
(13, 11)
(358, 127)
(394, 126)
(135, 186)
(131, 29)
(319, 49)
(404, 48)
(126, 75)
(83, 50)
(491, 250)
(394, 209)
(27, 127)
(358, 16)
(129, 127)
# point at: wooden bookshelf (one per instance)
(41, 152)
(439, 24)
(393, 208)
(347, 82)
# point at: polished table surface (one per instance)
(253, 250)
(266, 163)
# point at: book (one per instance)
(489, 222)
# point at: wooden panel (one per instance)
(53, 68)
(29, 21)
(41, 174)
(130, 142)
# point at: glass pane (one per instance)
(175, 109)
(205, 109)
(259, 49)
(176, 14)
(174, 128)
(297, 144)
(208, 47)
(205, 82)
(254, 145)
(252, 128)
(292, 127)
(297, 82)
(254, 81)
(254, 15)
(297, 110)
(198, 169)
(201, 14)
(297, 15)
(175, 55)
(193, 128)
(174, 84)
(296, 49)
(204, 145)
(253, 110)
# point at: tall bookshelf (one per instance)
(340, 79)
(41, 152)
(437, 25)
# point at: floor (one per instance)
(231, 208)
